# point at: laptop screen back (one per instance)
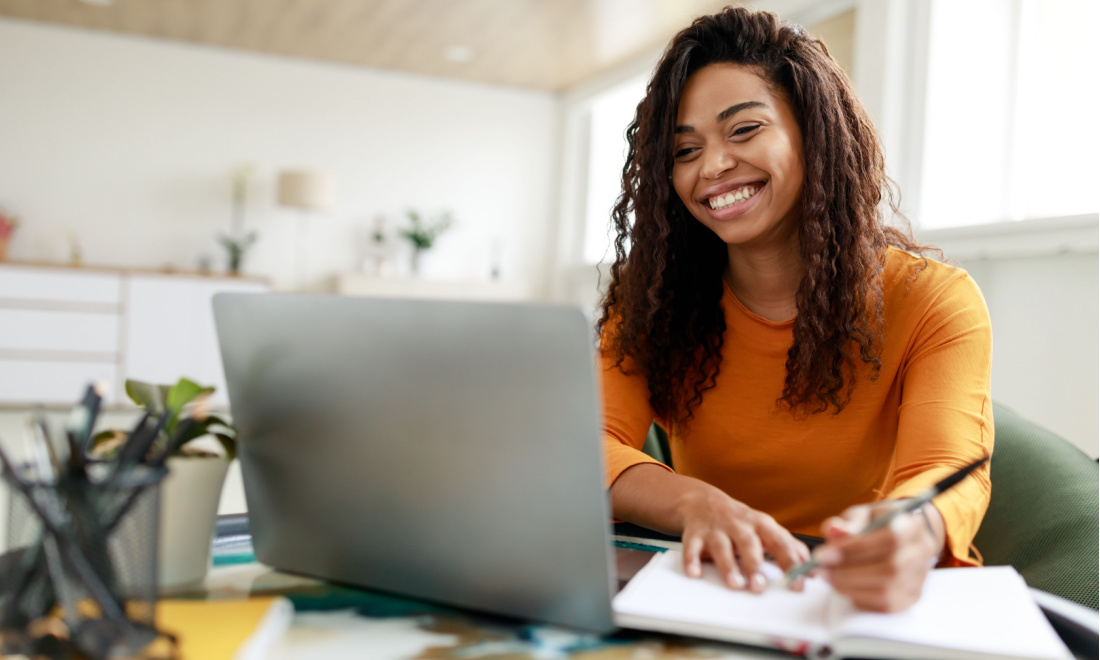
(442, 450)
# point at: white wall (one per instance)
(129, 143)
(1041, 282)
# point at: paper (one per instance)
(986, 610)
(661, 590)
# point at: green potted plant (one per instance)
(422, 233)
(191, 491)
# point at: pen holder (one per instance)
(80, 573)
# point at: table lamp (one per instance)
(307, 191)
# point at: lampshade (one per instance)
(305, 190)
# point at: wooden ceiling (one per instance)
(540, 44)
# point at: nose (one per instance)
(717, 162)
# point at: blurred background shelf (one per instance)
(357, 284)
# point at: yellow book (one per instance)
(225, 629)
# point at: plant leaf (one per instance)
(179, 395)
(183, 393)
(229, 444)
(106, 444)
(214, 420)
(145, 395)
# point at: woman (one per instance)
(801, 354)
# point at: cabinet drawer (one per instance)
(48, 330)
(45, 284)
(31, 382)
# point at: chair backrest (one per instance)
(1043, 517)
(656, 444)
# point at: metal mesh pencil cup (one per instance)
(80, 571)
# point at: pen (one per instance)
(83, 416)
(906, 506)
(140, 440)
(46, 462)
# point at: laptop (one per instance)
(447, 451)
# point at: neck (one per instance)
(766, 279)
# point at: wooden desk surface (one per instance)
(333, 621)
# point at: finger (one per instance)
(804, 552)
(902, 534)
(858, 516)
(751, 552)
(693, 546)
(785, 549)
(863, 578)
(721, 551)
(836, 527)
(880, 600)
(903, 571)
(849, 523)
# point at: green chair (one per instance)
(1044, 515)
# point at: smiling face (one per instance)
(738, 156)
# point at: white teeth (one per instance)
(740, 195)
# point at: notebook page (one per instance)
(983, 610)
(662, 591)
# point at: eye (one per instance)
(680, 153)
(741, 131)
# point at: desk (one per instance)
(335, 622)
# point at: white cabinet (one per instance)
(59, 331)
(60, 285)
(62, 328)
(170, 330)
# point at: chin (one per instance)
(739, 233)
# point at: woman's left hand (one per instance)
(884, 570)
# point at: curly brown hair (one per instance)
(663, 311)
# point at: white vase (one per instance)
(189, 498)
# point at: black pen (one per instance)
(83, 416)
(904, 506)
(140, 441)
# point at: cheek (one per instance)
(785, 167)
(793, 171)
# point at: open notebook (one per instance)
(963, 613)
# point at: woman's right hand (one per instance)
(719, 528)
(712, 525)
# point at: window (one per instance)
(1009, 129)
(611, 112)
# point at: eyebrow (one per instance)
(726, 114)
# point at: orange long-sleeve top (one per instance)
(927, 414)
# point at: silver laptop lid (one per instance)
(442, 450)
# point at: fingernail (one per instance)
(759, 582)
(694, 570)
(827, 556)
(735, 580)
